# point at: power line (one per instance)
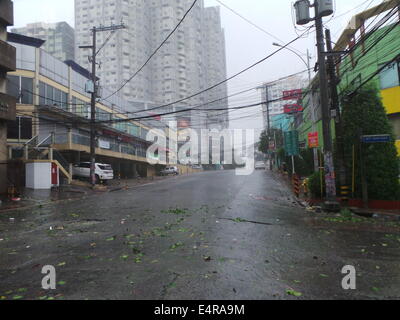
(362, 40)
(223, 81)
(155, 52)
(252, 23)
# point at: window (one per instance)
(389, 76)
(80, 108)
(21, 129)
(51, 96)
(26, 90)
(21, 88)
(13, 86)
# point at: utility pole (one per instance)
(93, 92)
(93, 112)
(322, 8)
(335, 108)
(268, 124)
(330, 179)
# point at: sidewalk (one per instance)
(77, 190)
(316, 204)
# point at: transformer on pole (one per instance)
(322, 8)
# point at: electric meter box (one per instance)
(302, 8)
(325, 7)
(89, 86)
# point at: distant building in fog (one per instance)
(59, 37)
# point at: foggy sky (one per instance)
(245, 44)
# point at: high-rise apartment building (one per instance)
(216, 70)
(190, 61)
(59, 37)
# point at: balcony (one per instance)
(8, 56)
(7, 107)
(6, 12)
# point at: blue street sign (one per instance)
(380, 138)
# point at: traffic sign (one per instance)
(379, 138)
(292, 143)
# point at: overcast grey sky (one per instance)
(245, 44)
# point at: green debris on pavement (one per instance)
(176, 245)
(295, 293)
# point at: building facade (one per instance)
(59, 37)
(276, 104)
(374, 49)
(53, 119)
(7, 102)
(190, 61)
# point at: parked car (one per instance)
(260, 165)
(170, 170)
(104, 172)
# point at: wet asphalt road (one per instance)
(212, 235)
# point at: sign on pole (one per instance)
(379, 138)
(313, 140)
(292, 143)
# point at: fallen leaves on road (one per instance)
(176, 245)
(294, 293)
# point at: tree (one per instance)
(364, 114)
(276, 135)
(264, 143)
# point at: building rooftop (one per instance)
(18, 38)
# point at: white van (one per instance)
(103, 171)
(170, 170)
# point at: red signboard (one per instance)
(293, 94)
(313, 140)
(292, 108)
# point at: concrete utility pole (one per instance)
(268, 123)
(94, 95)
(330, 179)
(268, 118)
(333, 82)
(322, 8)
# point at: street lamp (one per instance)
(302, 59)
